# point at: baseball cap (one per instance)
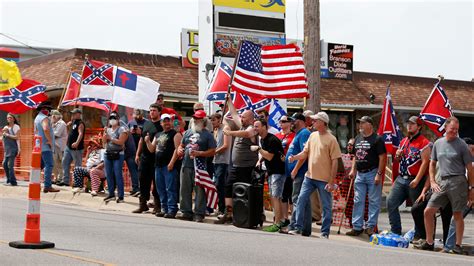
(76, 110)
(308, 113)
(298, 116)
(321, 116)
(165, 116)
(199, 114)
(55, 112)
(367, 119)
(415, 120)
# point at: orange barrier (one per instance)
(32, 238)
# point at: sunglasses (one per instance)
(284, 121)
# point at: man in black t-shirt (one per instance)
(75, 145)
(368, 165)
(146, 161)
(272, 152)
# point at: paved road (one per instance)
(85, 237)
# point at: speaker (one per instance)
(247, 202)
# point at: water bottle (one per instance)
(409, 235)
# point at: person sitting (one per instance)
(94, 169)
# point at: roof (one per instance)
(407, 92)
(52, 69)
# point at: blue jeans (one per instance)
(398, 194)
(451, 239)
(220, 174)
(114, 175)
(8, 165)
(47, 166)
(68, 156)
(308, 187)
(306, 230)
(165, 182)
(133, 170)
(365, 184)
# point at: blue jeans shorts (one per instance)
(276, 183)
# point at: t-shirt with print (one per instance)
(273, 145)
(115, 134)
(452, 156)
(164, 147)
(321, 150)
(367, 151)
(150, 128)
(198, 141)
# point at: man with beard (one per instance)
(414, 157)
(146, 161)
(197, 144)
(243, 159)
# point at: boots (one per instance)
(227, 218)
(157, 206)
(142, 207)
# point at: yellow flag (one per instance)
(10, 76)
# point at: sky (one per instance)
(414, 38)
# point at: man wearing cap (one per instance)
(322, 152)
(454, 158)
(60, 138)
(414, 157)
(298, 170)
(160, 100)
(75, 145)
(367, 166)
(165, 145)
(197, 145)
(44, 129)
(308, 121)
(146, 161)
(243, 159)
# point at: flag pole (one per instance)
(68, 79)
(230, 82)
(440, 78)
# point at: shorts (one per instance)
(237, 174)
(287, 191)
(454, 190)
(276, 182)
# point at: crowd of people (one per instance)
(299, 159)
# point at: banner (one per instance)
(340, 61)
(227, 45)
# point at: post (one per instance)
(32, 238)
(229, 87)
(312, 53)
(68, 79)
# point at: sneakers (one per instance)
(458, 250)
(285, 223)
(160, 214)
(109, 198)
(119, 200)
(226, 219)
(134, 193)
(272, 228)
(185, 217)
(369, 231)
(170, 215)
(294, 232)
(199, 218)
(354, 232)
(425, 246)
(324, 236)
(50, 189)
(93, 193)
(76, 190)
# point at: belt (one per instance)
(366, 170)
(451, 176)
(407, 177)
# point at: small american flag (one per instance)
(270, 71)
(204, 180)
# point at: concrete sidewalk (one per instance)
(86, 201)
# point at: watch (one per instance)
(379, 173)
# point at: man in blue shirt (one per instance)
(298, 170)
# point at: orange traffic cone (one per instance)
(32, 238)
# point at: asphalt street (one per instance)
(83, 236)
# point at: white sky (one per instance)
(416, 38)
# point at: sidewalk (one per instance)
(66, 196)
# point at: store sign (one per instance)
(340, 61)
(189, 48)
(227, 45)
(264, 5)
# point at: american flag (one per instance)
(204, 180)
(436, 110)
(270, 71)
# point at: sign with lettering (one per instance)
(263, 5)
(189, 48)
(340, 61)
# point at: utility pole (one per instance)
(312, 53)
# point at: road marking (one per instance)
(67, 255)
